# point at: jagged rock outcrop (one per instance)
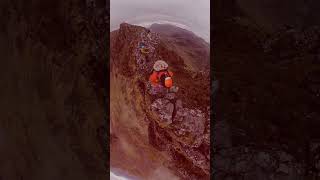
(164, 109)
(177, 124)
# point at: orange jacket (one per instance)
(155, 77)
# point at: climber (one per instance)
(143, 48)
(161, 78)
(149, 34)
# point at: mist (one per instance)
(188, 14)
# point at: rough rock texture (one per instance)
(177, 124)
(164, 109)
(266, 104)
(53, 83)
(273, 14)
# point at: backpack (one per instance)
(165, 79)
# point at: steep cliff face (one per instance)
(167, 135)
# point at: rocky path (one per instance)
(150, 41)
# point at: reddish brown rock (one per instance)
(176, 122)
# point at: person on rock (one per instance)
(149, 35)
(161, 78)
(143, 48)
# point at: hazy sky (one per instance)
(190, 14)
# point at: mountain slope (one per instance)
(195, 51)
(165, 137)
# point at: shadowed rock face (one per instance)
(53, 90)
(164, 134)
(266, 105)
(273, 14)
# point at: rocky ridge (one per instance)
(180, 130)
